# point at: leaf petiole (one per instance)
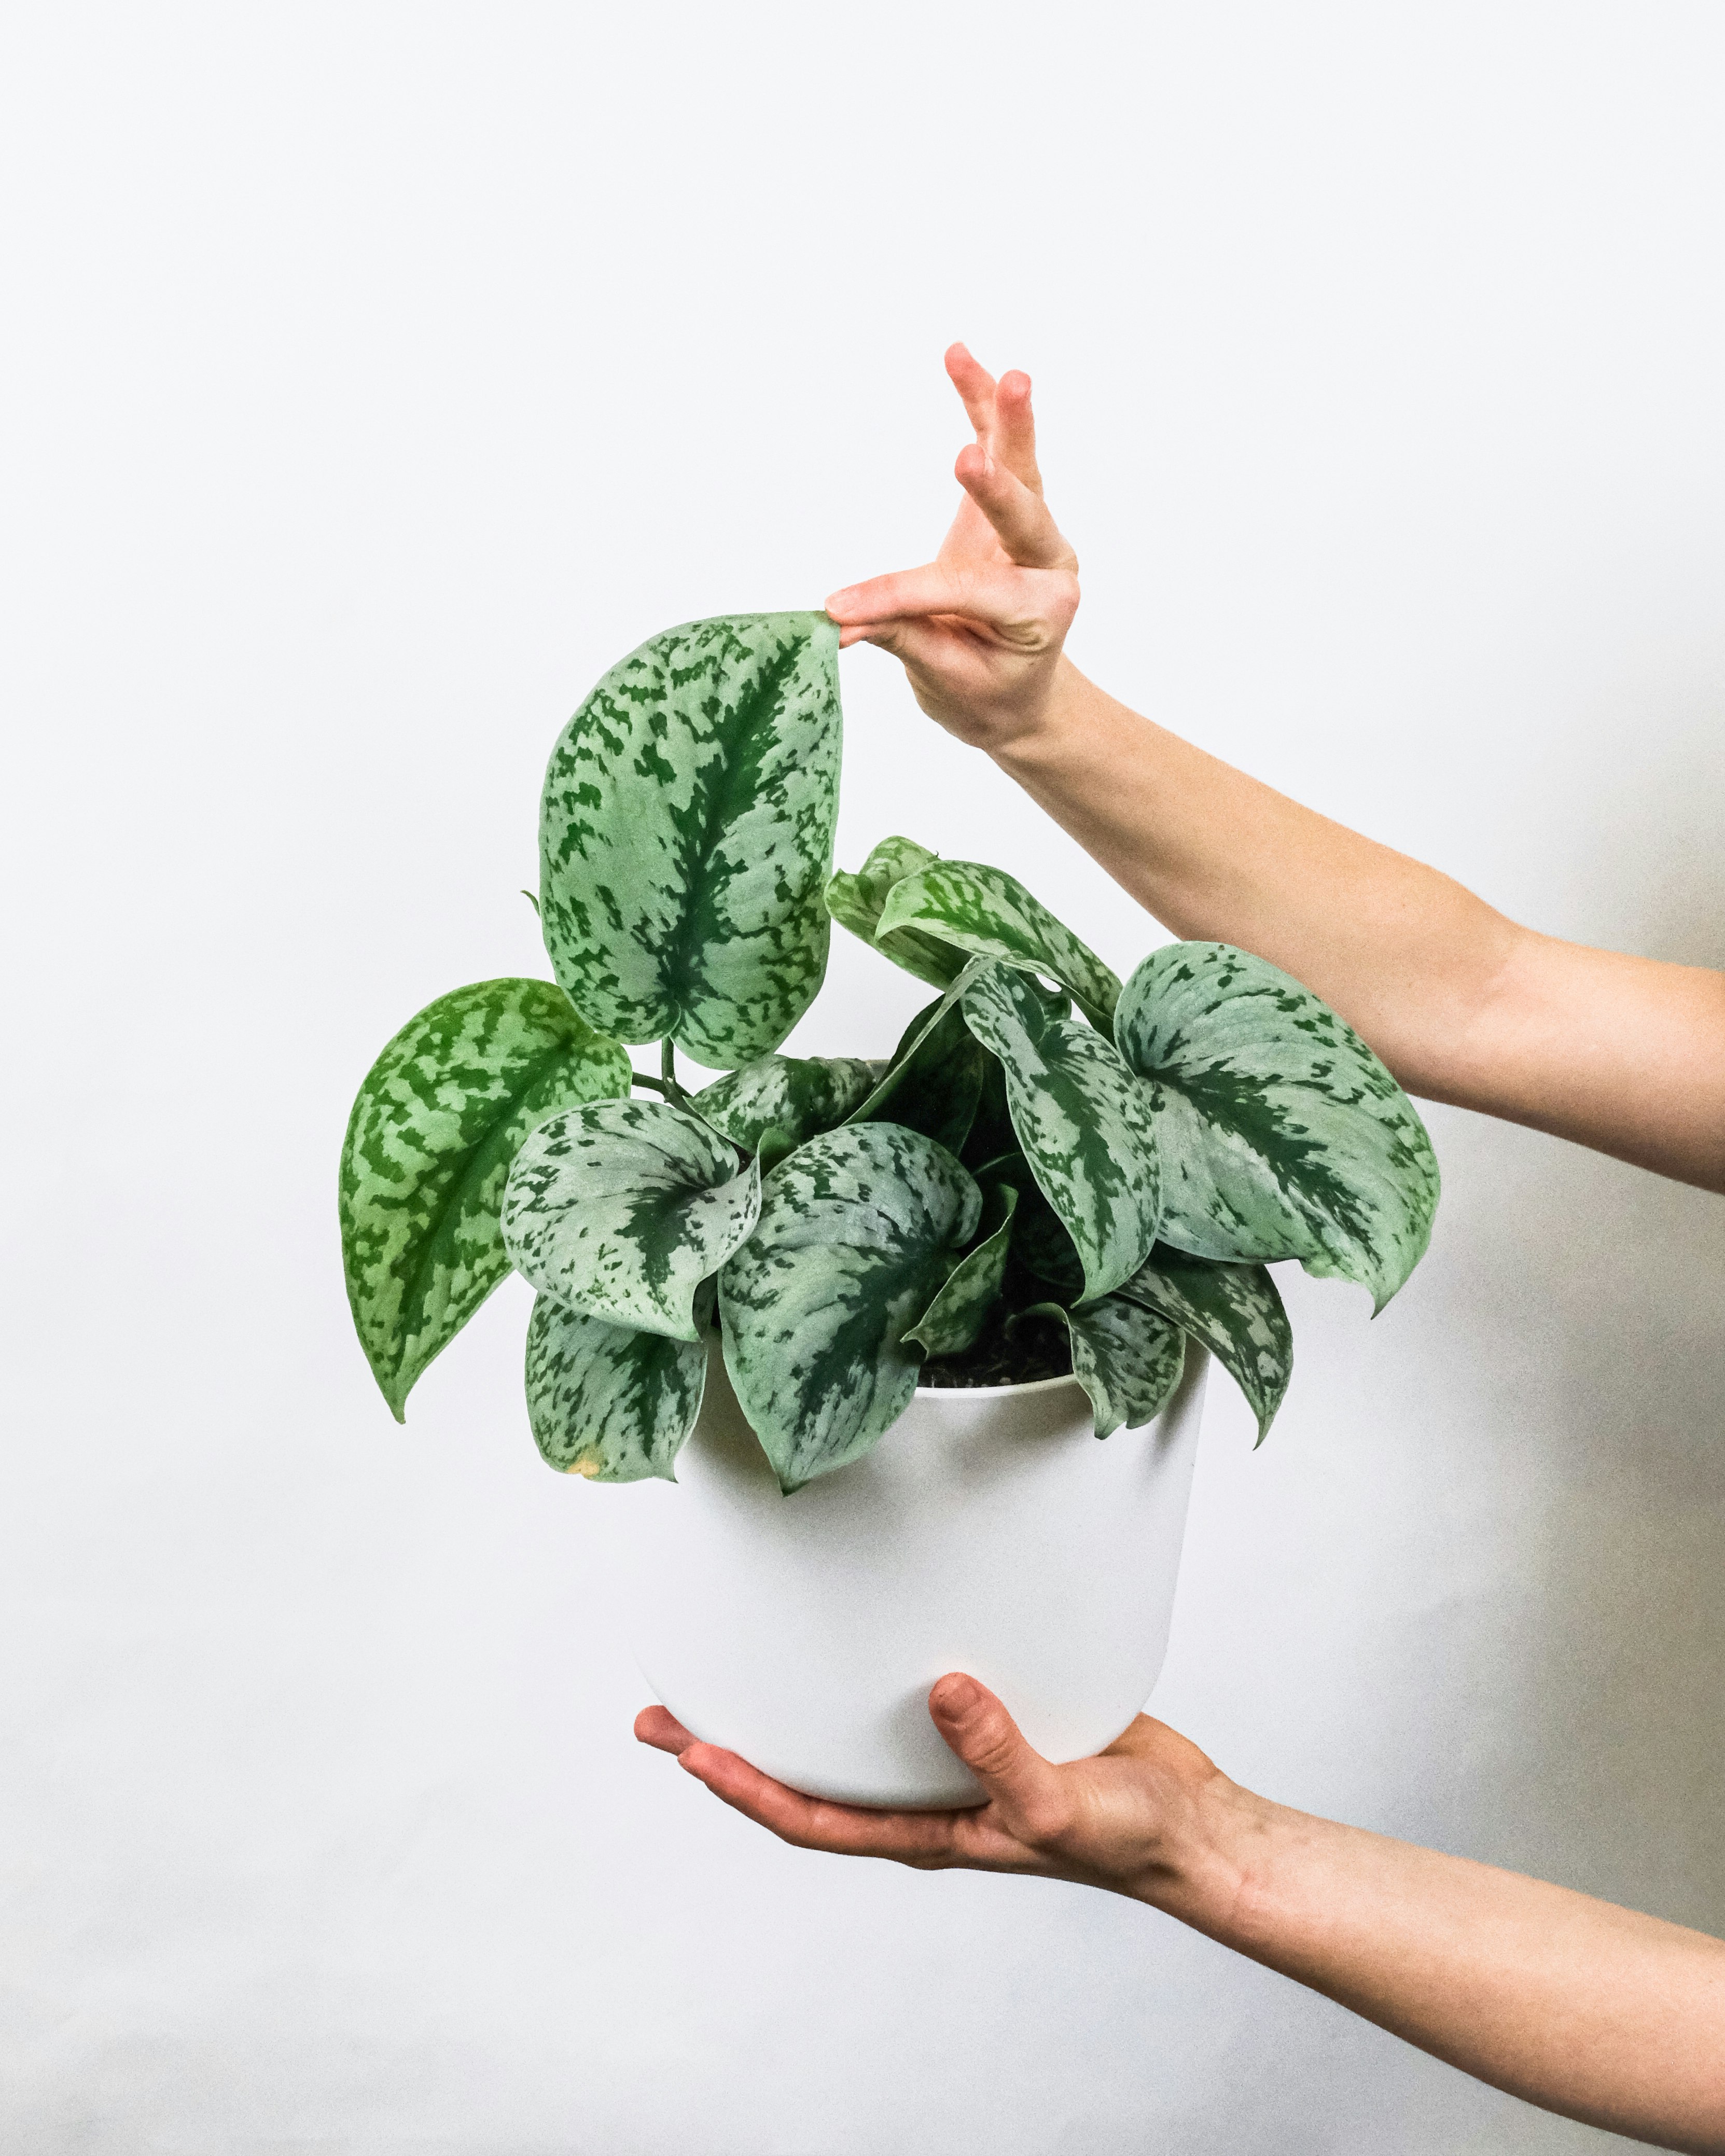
(667, 1084)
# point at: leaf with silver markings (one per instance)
(952, 1320)
(435, 1127)
(1282, 1134)
(989, 914)
(1235, 1311)
(623, 1209)
(609, 1402)
(1127, 1359)
(858, 1228)
(1082, 1120)
(686, 836)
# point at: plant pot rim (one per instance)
(996, 1392)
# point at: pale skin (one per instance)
(1593, 2012)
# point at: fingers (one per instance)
(933, 588)
(1019, 517)
(976, 386)
(660, 1727)
(811, 1823)
(1014, 438)
(1027, 1789)
(1027, 1806)
(999, 411)
(916, 642)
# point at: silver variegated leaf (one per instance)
(1082, 1119)
(686, 833)
(606, 1401)
(428, 1146)
(902, 1068)
(934, 1081)
(1235, 1311)
(1038, 1241)
(855, 901)
(991, 1131)
(858, 1229)
(623, 1209)
(1127, 1359)
(952, 1320)
(1282, 1134)
(991, 915)
(795, 1094)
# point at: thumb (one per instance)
(988, 1741)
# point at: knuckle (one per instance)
(994, 1750)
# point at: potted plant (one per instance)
(868, 1315)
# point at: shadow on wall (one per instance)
(1472, 1593)
(1594, 1294)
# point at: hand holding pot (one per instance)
(1131, 1820)
(1595, 2012)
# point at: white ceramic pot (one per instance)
(987, 1532)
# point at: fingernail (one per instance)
(954, 1695)
(839, 600)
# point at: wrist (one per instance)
(1215, 1859)
(1042, 734)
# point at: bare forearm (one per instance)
(1464, 1005)
(1404, 953)
(1586, 2009)
(1594, 2011)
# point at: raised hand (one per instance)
(980, 628)
(1133, 1819)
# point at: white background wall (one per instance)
(374, 375)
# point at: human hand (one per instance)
(1150, 1817)
(980, 628)
(1597, 2012)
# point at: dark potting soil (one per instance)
(1023, 1354)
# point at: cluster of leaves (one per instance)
(1051, 1172)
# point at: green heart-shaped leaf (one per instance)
(952, 1320)
(609, 1402)
(991, 1131)
(1127, 1359)
(1038, 1241)
(796, 1096)
(1235, 1311)
(606, 1401)
(855, 901)
(1282, 1134)
(1082, 1120)
(686, 833)
(991, 915)
(935, 1079)
(903, 1068)
(434, 1130)
(858, 1230)
(623, 1209)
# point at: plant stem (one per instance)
(641, 1078)
(667, 1084)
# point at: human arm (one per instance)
(1593, 2012)
(1624, 1054)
